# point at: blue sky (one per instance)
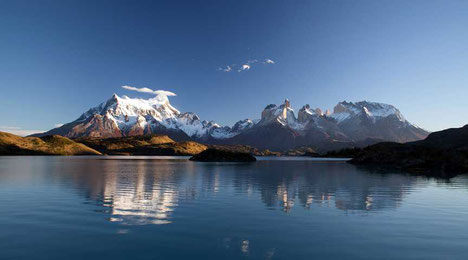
(59, 58)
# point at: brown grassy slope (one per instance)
(110, 145)
(143, 145)
(11, 144)
(159, 145)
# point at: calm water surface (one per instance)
(155, 208)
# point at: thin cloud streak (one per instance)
(227, 69)
(150, 91)
(246, 66)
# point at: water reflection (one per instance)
(330, 184)
(135, 192)
(138, 201)
(279, 209)
(149, 191)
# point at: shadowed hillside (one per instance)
(441, 153)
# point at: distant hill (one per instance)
(11, 144)
(164, 145)
(131, 145)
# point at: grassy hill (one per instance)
(143, 145)
(11, 144)
(113, 145)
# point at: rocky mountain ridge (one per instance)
(349, 125)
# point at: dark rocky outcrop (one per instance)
(220, 155)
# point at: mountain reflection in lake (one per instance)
(149, 191)
(172, 208)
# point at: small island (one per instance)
(220, 155)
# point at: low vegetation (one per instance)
(245, 149)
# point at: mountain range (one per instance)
(349, 125)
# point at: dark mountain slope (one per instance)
(443, 153)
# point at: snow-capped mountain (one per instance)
(124, 116)
(350, 124)
(277, 129)
(365, 119)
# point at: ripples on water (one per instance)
(154, 207)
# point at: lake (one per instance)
(275, 208)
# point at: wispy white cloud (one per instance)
(58, 125)
(245, 66)
(164, 93)
(19, 131)
(161, 95)
(150, 91)
(228, 68)
(142, 90)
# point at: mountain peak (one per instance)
(282, 114)
(113, 99)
